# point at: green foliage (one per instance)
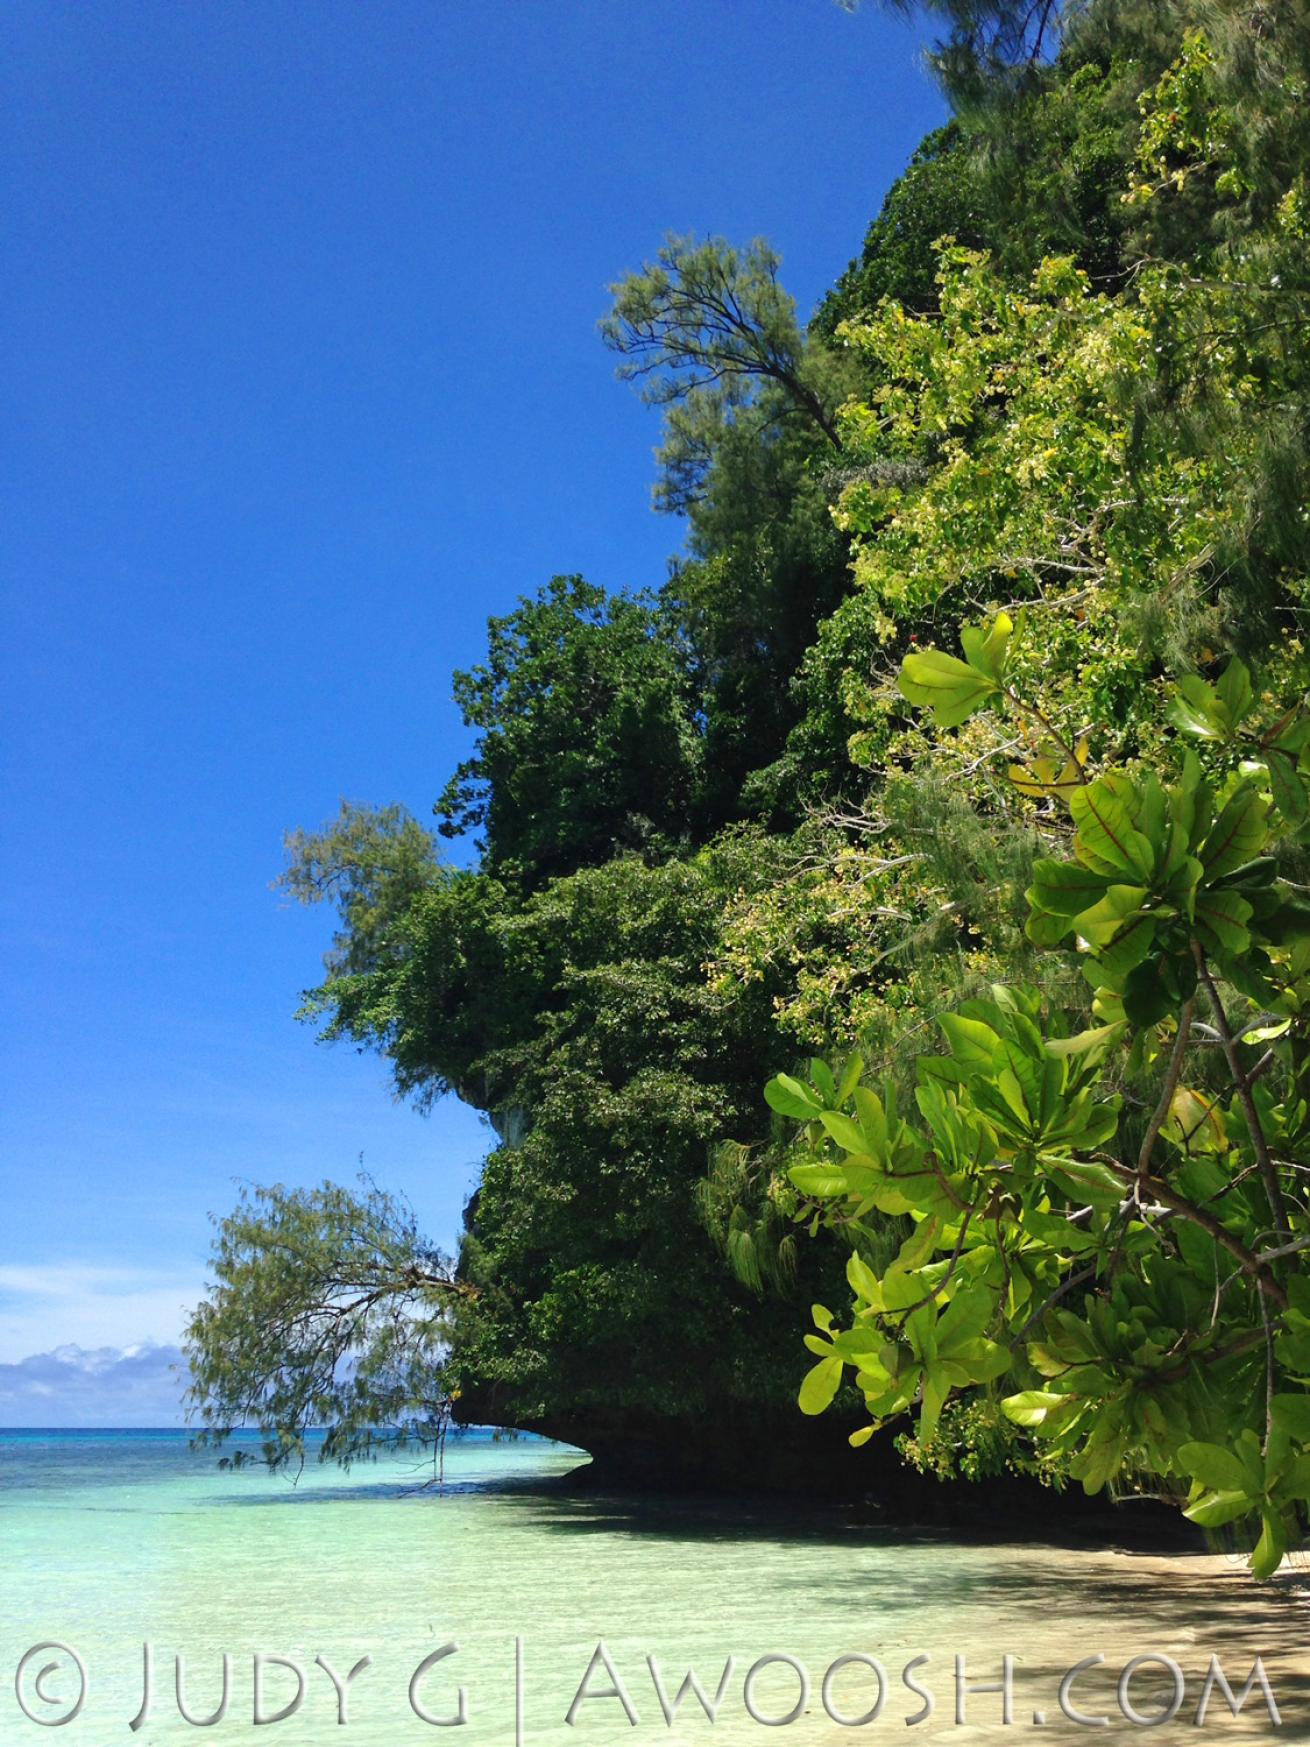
(976, 1441)
(1104, 1187)
(710, 334)
(769, 564)
(990, 48)
(1027, 168)
(951, 688)
(587, 1243)
(749, 404)
(371, 863)
(939, 195)
(587, 741)
(579, 1016)
(327, 1311)
(1148, 1308)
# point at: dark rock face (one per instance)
(810, 1462)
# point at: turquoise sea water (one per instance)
(110, 1540)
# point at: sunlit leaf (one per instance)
(951, 689)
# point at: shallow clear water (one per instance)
(108, 1540)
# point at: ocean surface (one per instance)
(113, 1540)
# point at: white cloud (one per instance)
(77, 1304)
(139, 1385)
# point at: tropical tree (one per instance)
(709, 333)
(328, 1311)
(587, 740)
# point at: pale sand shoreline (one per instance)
(1123, 1605)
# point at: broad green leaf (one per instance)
(845, 1132)
(864, 1341)
(1214, 1509)
(1097, 1124)
(1286, 785)
(1096, 1182)
(1253, 878)
(1213, 1465)
(971, 1042)
(1031, 1406)
(1146, 999)
(1225, 915)
(1189, 804)
(1249, 1454)
(951, 689)
(1149, 805)
(982, 1361)
(821, 1181)
(873, 1120)
(964, 1318)
(1196, 709)
(1100, 1461)
(1099, 924)
(1120, 956)
(1107, 839)
(789, 1097)
(936, 1388)
(919, 1245)
(850, 1077)
(1065, 888)
(1195, 1122)
(985, 647)
(1238, 834)
(1040, 1079)
(892, 1199)
(1292, 1412)
(1092, 1044)
(1296, 1482)
(1270, 1548)
(1234, 691)
(1045, 930)
(862, 1280)
(819, 1386)
(822, 1077)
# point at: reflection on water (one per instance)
(111, 1540)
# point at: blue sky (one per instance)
(303, 383)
